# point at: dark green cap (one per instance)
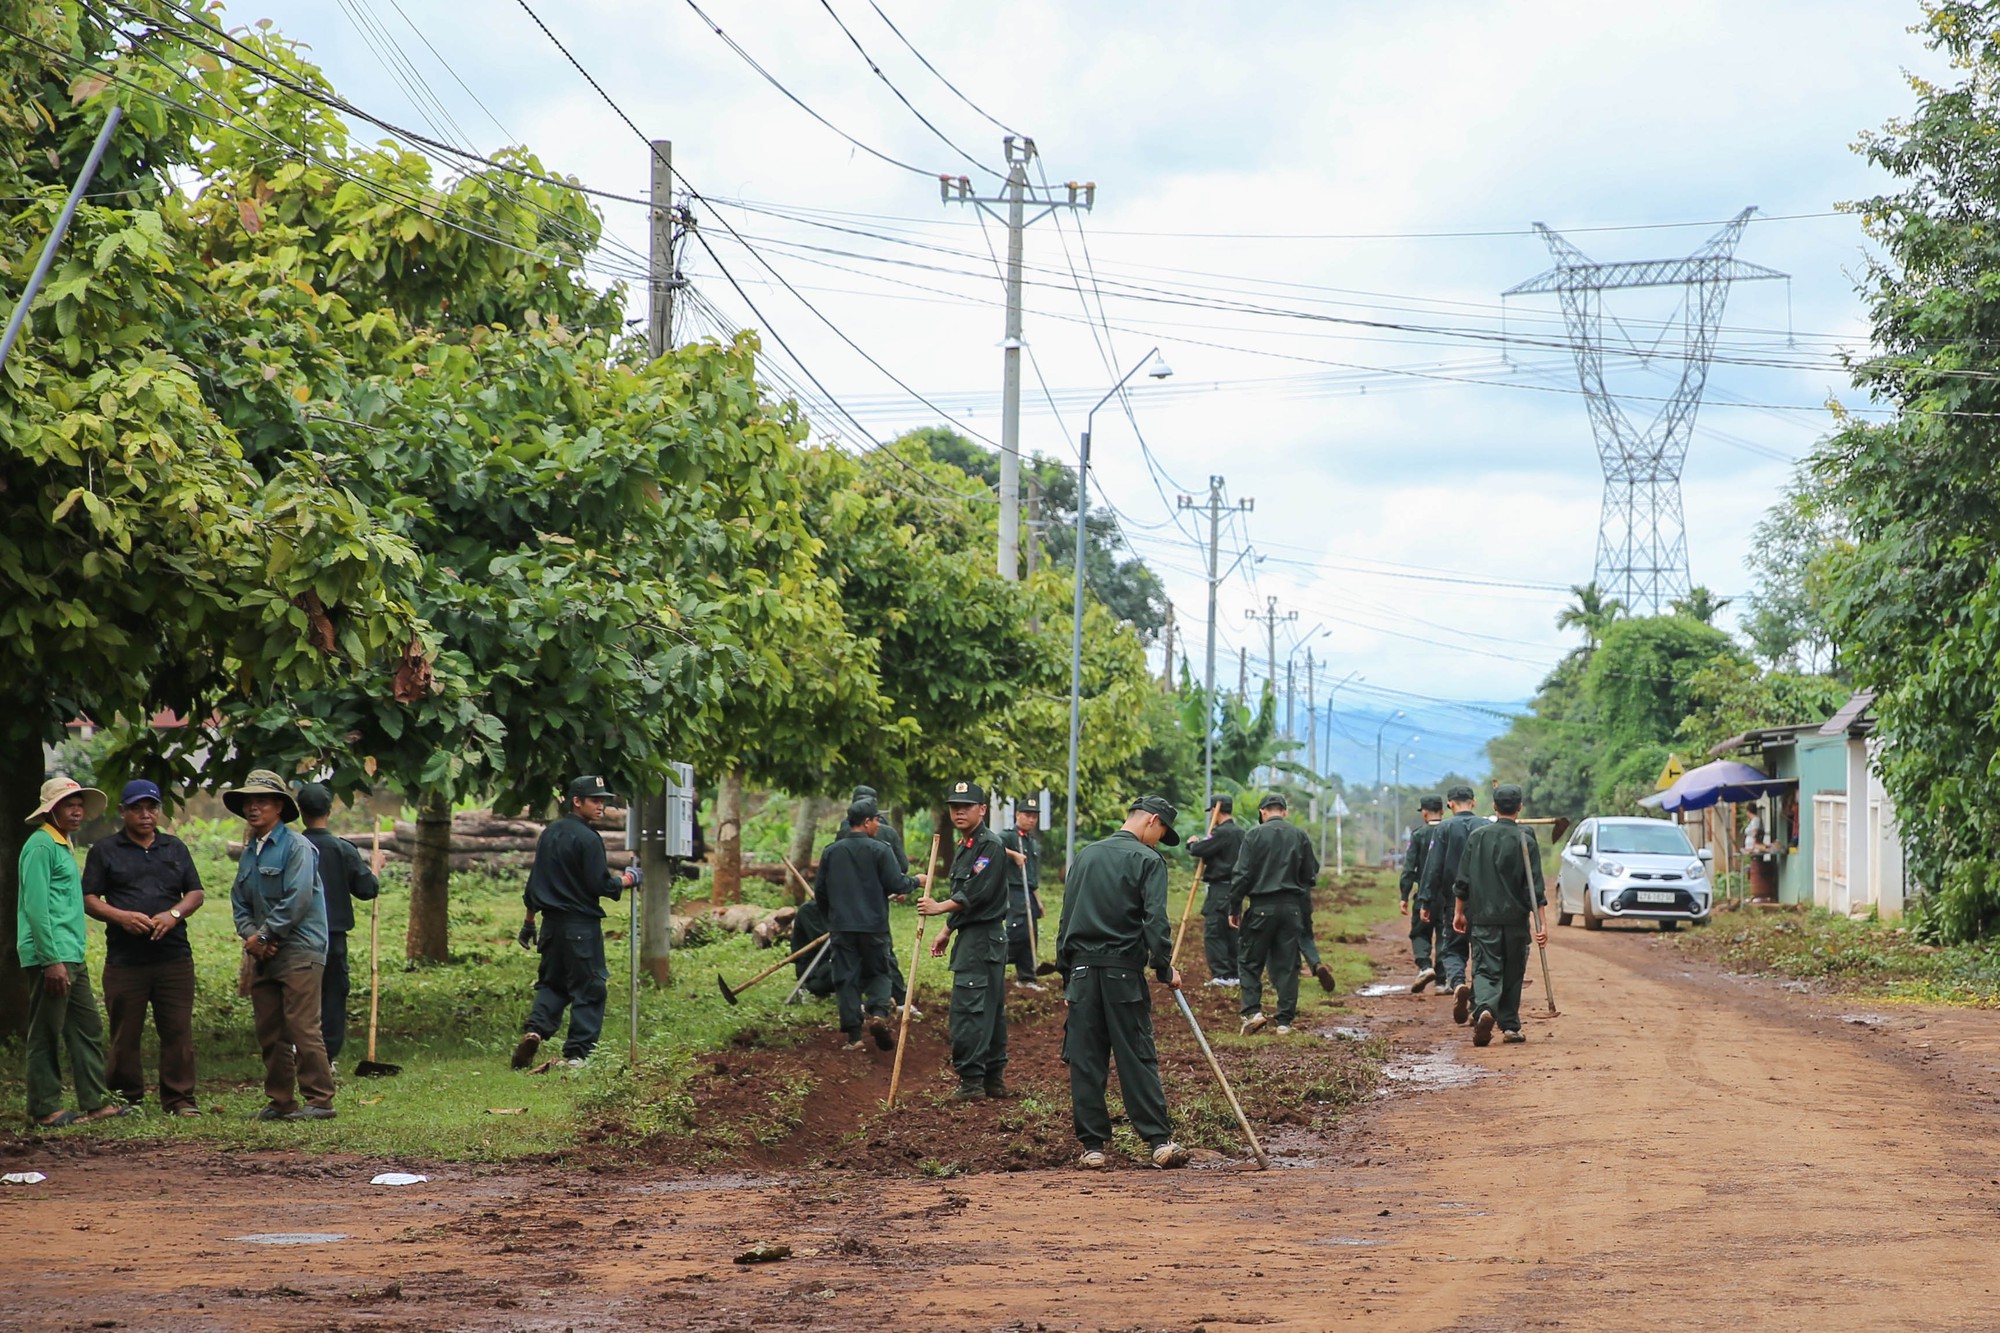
(1164, 809)
(1507, 798)
(315, 800)
(1274, 801)
(1459, 792)
(590, 785)
(861, 812)
(965, 793)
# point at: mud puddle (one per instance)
(1429, 1071)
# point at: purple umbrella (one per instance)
(1723, 780)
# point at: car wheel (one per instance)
(1564, 918)
(1591, 920)
(1701, 920)
(1666, 927)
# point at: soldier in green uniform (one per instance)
(891, 837)
(853, 885)
(977, 911)
(1024, 900)
(1433, 902)
(1114, 927)
(1423, 933)
(1217, 851)
(570, 875)
(1497, 890)
(1274, 872)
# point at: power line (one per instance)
(1000, 125)
(942, 137)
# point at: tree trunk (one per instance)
(20, 783)
(430, 882)
(805, 831)
(727, 886)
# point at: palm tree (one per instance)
(1701, 604)
(1592, 612)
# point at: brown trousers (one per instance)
(168, 988)
(285, 999)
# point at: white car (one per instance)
(1632, 869)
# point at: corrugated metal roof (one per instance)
(1853, 718)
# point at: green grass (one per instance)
(1866, 956)
(451, 1028)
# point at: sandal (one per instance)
(111, 1111)
(61, 1120)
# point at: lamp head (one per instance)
(1159, 369)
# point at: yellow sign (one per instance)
(1669, 775)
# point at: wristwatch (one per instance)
(175, 913)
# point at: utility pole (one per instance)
(1270, 617)
(1312, 754)
(1034, 542)
(1215, 509)
(648, 819)
(1167, 657)
(1015, 197)
(660, 277)
(1243, 674)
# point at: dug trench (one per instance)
(1680, 1148)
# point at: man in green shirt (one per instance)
(977, 912)
(1425, 942)
(1498, 889)
(1433, 901)
(1274, 872)
(1024, 899)
(1217, 851)
(1114, 927)
(49, 938)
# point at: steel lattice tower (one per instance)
(1642, 539)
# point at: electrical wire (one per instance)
(910, 106)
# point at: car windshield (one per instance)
(1652, 838)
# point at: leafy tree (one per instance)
(1792, 550)
(1701, 604)
(1590, 611)
(1736, 696)
(1915, 601)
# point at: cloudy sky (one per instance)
(1275, 182)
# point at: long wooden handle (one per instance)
(374, 946)
(793, 958)
(1535, 914)
(1256, 1148)
(910, 982)
(1214, 815)
(804, 883)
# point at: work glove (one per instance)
(527, 935)
(638, 876)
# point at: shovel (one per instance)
(1558, 826)
(371, 1067)
(730, 994)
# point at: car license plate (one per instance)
(1656, 897)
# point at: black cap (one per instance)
(1163, 809)
(315, 800)
(590, 785)
(1226, 804)
(1431, 803)
(1028, 808)
(861, 812)
(1507, 798)
(864, 794)
(1274, 801)
(1459, 792)
(965, 793)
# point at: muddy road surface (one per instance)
(1680, 1149)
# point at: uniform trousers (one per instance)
(1110, 1017)
(860, 977)
(1499, 963)
(59, 1024)
(573, 976)
(1219, 938)
(1270, 942)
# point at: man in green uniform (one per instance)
(1217, 851)
(977, 912)
(1114, 927)
(1423, 933)
(570, 875)
(1433, 902)
(344, 876)
(1024, 900)
(856, 878)
(1274, 872)
(891, 837)
(1497, 890)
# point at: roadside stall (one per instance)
(1749, 818)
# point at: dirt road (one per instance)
(1682, 1149)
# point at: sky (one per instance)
(1275, 183)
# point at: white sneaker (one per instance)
(1216, 981)
(1169, 1154)
(1424, 978)
(1283, 1029)
(1029, 985)
(573, 1062)
(1234, 983)
(1254, 1023)
(1093, 1160)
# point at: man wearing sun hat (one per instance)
(280, 912)
(49, 935)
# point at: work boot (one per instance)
(1513, 1035)
(524, 1050)
(1254, 1023)
(311, 1113)
(997, 1090)
(1461, 1008)
(1325, 975)
(1169, 1155)
(854, 1045)
(1093, 1159)
(969, 1092)
(1424, 978)
(1482, 1029)
(879, 1030)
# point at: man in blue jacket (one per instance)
(280, 913)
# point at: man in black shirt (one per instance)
(142, 884)
(345, 877)
(857, 876)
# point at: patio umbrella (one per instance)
(1723, 780)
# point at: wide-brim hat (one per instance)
(262, 782)
(61, 789)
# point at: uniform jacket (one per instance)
(1021, 897)
(1217, 852)
(1441, 859)
(277, 894)
(1494, 879)
(49, 922)
(1421, 835)
(856, 877)
(979, 869)
(344, 875)
(888, 836)
(1277, 857)
(1115, 908)
(571, 871)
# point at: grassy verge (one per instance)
(1868, 957)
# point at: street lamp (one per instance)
(1378, 771)
(1397, 783)
(1350, 676)
(1156, 367)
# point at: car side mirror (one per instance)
(1706, 854)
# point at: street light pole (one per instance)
(1378, 771)
(1156, 367)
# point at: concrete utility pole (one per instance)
(1215, 509)
(1016, 197)
(652, 906)
(1312, 754)
(1167, 656)
(1269, 615)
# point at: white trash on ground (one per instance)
(23, 1178)
(398, 1178)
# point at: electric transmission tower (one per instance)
(1642, 538)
